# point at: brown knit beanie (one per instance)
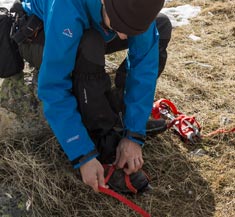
(132, 17)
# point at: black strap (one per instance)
(82, 158)
(136, 136)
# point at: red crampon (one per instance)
(187, 127)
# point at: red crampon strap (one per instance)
(124, 200)
(110, 172)
(163, 104)
(119, 196)
(129, 185)
(186, 126)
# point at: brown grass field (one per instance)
(200, 79)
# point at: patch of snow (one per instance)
(180, 15)
(6, 3)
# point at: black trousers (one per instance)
(99, 105)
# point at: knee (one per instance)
(164, 26)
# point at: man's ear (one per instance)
(102, 1)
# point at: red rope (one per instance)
(219, 131)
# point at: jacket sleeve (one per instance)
(63, 30)
(142, 72)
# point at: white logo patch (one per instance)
(68, 33)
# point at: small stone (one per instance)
(198, 152)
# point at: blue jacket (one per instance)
(64, 24)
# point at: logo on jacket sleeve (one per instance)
(72, 139)
(67, 32)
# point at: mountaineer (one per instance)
(94, 123)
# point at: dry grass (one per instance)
(200, 80)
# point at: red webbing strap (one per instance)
(181, 123)
(110, 172)
(129, 185)
(165, 102)
(111, 169)
(124, 200)
(161, 104)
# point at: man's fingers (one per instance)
(100, 177)
(97, 181)
(138, 164)
(122, 162)
(92, 183)
(131, 167)
(93, 174)
(95, 186)
(141, 162)
(134, 166)
(118, 153)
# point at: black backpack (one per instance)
(11, 62)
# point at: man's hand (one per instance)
(129, 154)
(93, 174)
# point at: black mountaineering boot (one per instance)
(156, 126)
(127, 184)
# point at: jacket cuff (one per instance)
(135, 137)
(79, 161)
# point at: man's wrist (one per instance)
(79, 161)
(135, 137)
